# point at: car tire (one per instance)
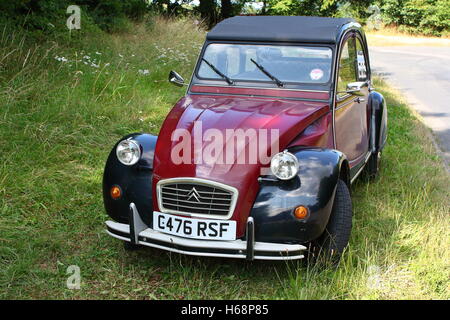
(373, 165)
(329, 247)
(128, 246)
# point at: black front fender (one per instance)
(135, 181)
(314, 187)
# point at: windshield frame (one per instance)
(265, 84)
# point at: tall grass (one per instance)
(58, 122)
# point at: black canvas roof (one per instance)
(278, 28)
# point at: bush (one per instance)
(46, 16)
(430, 17)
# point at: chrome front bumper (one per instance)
(138, 233)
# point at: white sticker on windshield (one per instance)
(316, 74)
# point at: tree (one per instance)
(208, 12)
(302, 7)
(226, 9)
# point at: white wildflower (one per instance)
(144, 71)
(62, 59)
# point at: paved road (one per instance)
(423, 75)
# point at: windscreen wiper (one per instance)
(228, 80)
(267, 73)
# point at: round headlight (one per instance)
(128, 152)
(284, 165)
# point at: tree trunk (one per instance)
(226, 10)
(207, 12)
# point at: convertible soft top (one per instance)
(279, 28)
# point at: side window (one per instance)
(347, 66)
(362, 69)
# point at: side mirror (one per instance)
(176, 79)
(355, 87)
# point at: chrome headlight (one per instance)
(128, 152)
(284, 165)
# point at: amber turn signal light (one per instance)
(116, 192)
(301, 212)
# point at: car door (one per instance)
(350, 110)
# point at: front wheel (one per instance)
(331, 244)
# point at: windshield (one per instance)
(287, 64)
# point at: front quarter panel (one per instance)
(135, 181)
(314, 187)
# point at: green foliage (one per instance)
(112, 15)
(302, 7)
(430, 17)
(48, 16)
(43, 15)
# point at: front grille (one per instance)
(196, 197)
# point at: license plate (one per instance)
(205, 229)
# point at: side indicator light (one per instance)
(301, 212)
(115, 192)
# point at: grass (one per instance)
(58, 122)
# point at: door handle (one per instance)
(359, 100)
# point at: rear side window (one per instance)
(347, 65)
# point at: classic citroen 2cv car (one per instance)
(257, 159)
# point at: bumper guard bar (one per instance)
(137, 232)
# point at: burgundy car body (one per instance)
(332, 136)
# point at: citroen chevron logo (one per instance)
(193, 194)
